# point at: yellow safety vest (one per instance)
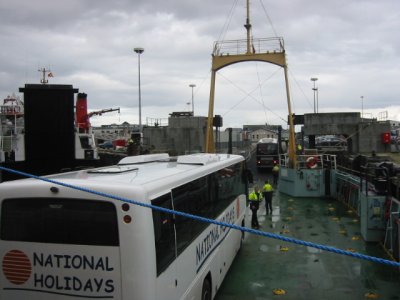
(275, 168)
(255, 196)
(268, 188)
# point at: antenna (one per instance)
(44, 71)
(248, 28)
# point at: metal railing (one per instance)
(156, 122)
(9, 136)
(348, 189)
(236, 47)
(392, 236)
(316, 161)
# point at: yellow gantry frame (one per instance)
(221, 61)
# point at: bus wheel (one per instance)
(206, 290)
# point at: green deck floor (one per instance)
(304, 272)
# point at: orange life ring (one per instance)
(311, 162)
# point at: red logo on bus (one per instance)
(17, 267)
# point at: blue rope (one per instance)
(211, 221)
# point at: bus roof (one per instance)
(152, 173)
(268, 140)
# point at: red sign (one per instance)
(386, 138)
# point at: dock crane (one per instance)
(83, 122)
(85, 146)
(100, 112)
(83, 116)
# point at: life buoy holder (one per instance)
(311, 162)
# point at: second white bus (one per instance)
(61, 243)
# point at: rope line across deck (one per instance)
(211, 221)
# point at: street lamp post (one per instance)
(139, 51)
(362, 107)
(314, 79)
(192, 86)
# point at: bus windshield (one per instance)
(267, 148)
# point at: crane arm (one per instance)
(100, 112)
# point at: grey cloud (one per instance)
(349, 45)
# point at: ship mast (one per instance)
(248, 28)
(44, 71)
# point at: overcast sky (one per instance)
(352, 47)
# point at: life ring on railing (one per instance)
(311, 162)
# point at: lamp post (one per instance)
(139, 51)
(314, 79)
(362, 107)
(192, 86)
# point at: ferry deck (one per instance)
(264, 265)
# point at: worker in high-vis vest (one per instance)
(255, 198)
(275, 173)
(268, 190)
(299, 149)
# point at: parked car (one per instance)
(106, 145)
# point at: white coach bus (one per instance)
(61, 243)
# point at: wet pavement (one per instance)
(265, 264)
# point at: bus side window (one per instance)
(164, 233)
(230, 185)
(212, 195)
(190, 198)
(243, 180)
